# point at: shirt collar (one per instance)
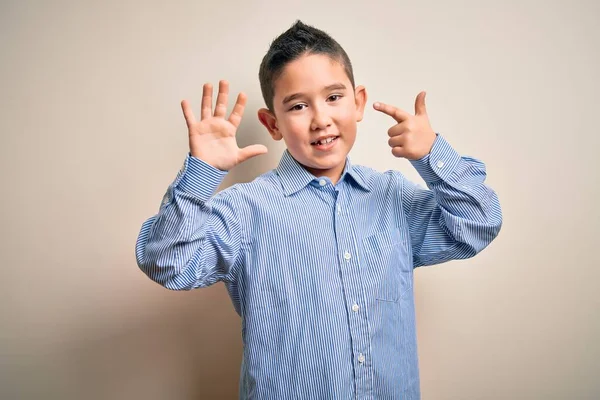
(294, 176)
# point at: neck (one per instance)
(333, 174)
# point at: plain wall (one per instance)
(92, 134)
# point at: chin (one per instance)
(327, 166)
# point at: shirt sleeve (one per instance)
(458, 215)
(195, 239)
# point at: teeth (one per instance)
(326, 141)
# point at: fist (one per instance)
(412, 137)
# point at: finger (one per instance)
(397, 141)
(206, 108)
(252, 151)
(187, 113)
(221, 106)
(398, 129)
(392, 111)
(420, 104)
(399, 151)
(238, 110)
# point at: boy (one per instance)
(318, 254)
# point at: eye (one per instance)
(295, 108)
(337, 96)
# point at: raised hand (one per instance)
(212, 139)
(412, 137)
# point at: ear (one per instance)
(360, 98)
(268, 119)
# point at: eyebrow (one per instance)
(339, 86)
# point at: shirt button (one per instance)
(361, 358)
(355, 307)
(322, 182)
(347, 255)
(440, 164)
(339, 209)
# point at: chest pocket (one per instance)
(387, 265)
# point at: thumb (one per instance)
(251, 151)
(420, 107)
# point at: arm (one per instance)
(195, 239)
(459, 216)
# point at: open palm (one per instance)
(212, 139)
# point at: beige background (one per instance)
(92, 135)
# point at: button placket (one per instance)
(348, 256)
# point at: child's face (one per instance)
(313, 100)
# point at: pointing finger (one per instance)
(392, 111)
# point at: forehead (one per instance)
(309, 73)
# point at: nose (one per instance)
(320, 120)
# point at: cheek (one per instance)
(347, 117)
(296, 126)
(293, 130)
(348, 111)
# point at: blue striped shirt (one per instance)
(321, 274)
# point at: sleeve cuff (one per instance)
(439, 163)
(199, 178)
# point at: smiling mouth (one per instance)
(324, 141)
